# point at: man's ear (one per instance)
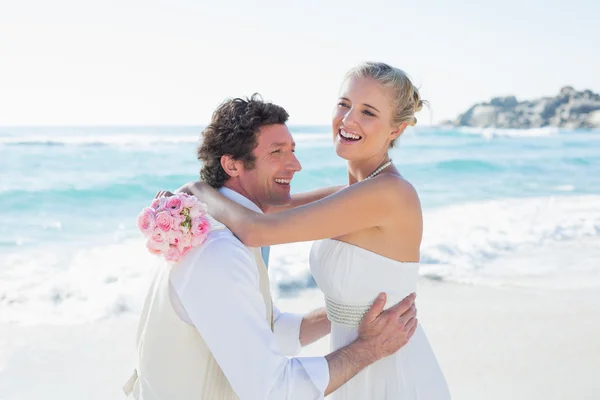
(232, 167)
(399, 130)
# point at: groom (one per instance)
(208, 329)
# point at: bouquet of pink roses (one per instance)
(174, 225)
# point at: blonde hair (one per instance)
(406, 98)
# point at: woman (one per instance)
(371, 231)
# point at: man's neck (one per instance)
(239, 190)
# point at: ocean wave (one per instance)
(535, 242)
(304, 138)
(311, 140)
(69, 197)
(461, 242)
(61, 285)
(95, 188)
(468, 165)
(498, 132)
(564, 188)
(578, 161)
(94, 141)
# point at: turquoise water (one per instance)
(66, 190)
(71, 184)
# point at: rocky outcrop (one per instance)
(570, 109)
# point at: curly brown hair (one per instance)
(233, 131)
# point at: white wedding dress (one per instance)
(351, 278)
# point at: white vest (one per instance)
(173, 362)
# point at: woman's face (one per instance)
(362, 126)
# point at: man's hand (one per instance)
(387, 331)
(380, 334)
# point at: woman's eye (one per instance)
(342, 104)
(369, 113)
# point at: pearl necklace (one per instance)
(378, 170)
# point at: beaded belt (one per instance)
(345, 314)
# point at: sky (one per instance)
(159, 62)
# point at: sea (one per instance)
(502, 208)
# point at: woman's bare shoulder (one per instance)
(393, 187)
(405, 209)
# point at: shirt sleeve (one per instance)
(287, 331)
(219, 290)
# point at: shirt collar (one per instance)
(240, 199)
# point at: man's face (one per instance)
(268, 183)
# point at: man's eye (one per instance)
(276, 151)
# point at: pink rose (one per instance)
(184, 229)
(200, 226)
(185, 240)
(164, 221)
(159, 204)
(197, 240)
(173, 237)
(146, 221)
(173, 204)
(154, 247)
(178, 219)
(173, 255)
(198, 210)
(160, 238)
(188, 201)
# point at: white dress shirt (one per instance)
(216, 289)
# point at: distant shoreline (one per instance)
(569, 109)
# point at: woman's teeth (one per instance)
(349, 135)
(283, 181)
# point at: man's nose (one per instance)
(293, 163)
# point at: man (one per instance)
(208, 329)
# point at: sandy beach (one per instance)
(492, 343)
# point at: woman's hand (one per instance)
(165, 193)
(191, 188)
(196, 188)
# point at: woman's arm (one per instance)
(360, 206)
(300, 199)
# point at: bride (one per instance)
(367, 235)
